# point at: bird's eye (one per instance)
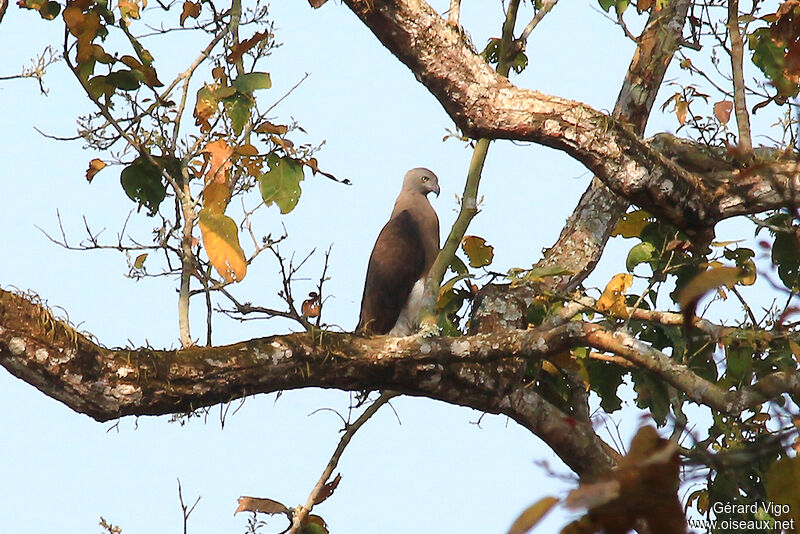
(425, 178)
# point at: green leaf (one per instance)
(770, 56)
(491, 54)
(237, 107)
(281, 183)
(604, 379)
(98, 86)
(652, 394)
(126, 80)
(50, 10)
(458, 266)
(520, 62)
(606, 4)
(620, 6)
(781, 485)
(786, 256)
(642, 253)
(739, 360)
(247, 83)
(143, 184)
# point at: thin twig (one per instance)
(739, 99)
(537, 18)
(301, 512)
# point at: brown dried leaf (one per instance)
(644, 487)
(316, 4)
(239, 49)
(220, 153)
(190, 9)
(328, 489)
(722, 111)
(267, 127)
(95, 166)
(257, 504)
(681, 109)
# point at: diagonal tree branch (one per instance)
(484, 104)
(584, 236)
(486, 372)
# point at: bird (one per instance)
(406, 248)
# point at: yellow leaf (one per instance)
(216, 197)
(221, 240)
(95, 166)
(138, 263)
(681, 108)
(479, 253)
(631, 224)
(613, 298)
(706, 281)
(532, 515)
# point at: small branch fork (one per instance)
(317, 494)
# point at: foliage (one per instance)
(663, 306)
(231, 148)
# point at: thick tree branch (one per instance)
(587, 230)
(484, 104)
(486, 372)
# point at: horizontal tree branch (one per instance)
(485, 372)
(482, 372)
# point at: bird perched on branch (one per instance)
(401, 258)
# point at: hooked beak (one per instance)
(436, 190)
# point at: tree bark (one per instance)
(486, 372)
(484, 104)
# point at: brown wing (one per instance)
(396, 263)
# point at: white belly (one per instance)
(408, 321)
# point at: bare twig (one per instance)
(739, 100)
(301, 512)
(186, 511)
(547, 5)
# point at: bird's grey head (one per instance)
(421, 180)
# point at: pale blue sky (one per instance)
(436, 472)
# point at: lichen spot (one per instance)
(124, 371)
(551, 127)
(280, 352)
(123, 390)
(425, 348)
(460, 348)
(17, 346)
(41, 355)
